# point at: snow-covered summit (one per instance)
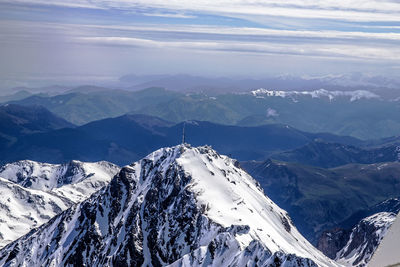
(320, 93)
(179, 206)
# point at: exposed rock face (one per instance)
(332, 241)
(179, 206)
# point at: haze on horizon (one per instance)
(57, 41)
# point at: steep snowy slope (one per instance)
(364, 239)
(31, 193)
(179, 206)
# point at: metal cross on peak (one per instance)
(183, 133)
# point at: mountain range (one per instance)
(190, 83)
(187, 83)
(358, 113)
(33, 182)
(131, 137)
(87, 103)
(329, 184)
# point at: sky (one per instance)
(49, 42)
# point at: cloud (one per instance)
(355, 10)
(169, 15)
(202, 32)
(306, 49)
(224, 31)
(328, 44)
(72, 4)
(272, 113)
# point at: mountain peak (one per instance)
(179, 206)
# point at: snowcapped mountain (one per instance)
(179, 206)
(364, 239)
(320, 93)
(75, 180)
(31, 193)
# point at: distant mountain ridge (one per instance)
(191, 83)
(360, 113)
(195, 83)
(331, 154)
(17, 121)
(130, 137)
(88, 103)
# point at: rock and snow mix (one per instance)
(31, 193)
(364, 239)
(387, 253)
(179, 206)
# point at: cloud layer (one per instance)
(144, 36)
